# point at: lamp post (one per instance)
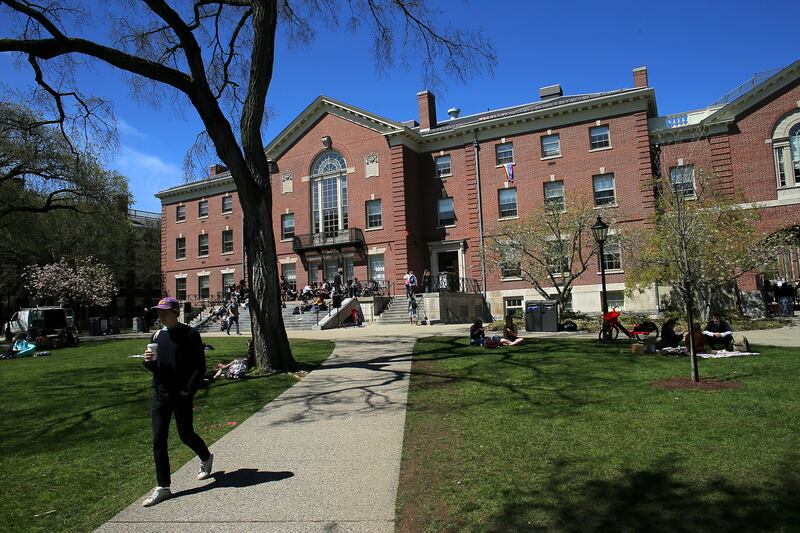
(600, 230)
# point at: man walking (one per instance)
(233, 316)
(178, 365)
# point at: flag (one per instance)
(509, 171)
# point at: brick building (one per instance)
(377, 197)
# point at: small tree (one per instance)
(700, 243)
(83, 281)
(551, 247)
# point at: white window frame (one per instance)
(178, 290)
(500, 204)
(224, 242)
(200, 246)
(673, 172)
(547, 139)
(783, 153)
(608, 138)
(180, 213)
(230, 200)
(370, 216)
(178, 256)
(612, 248)
(200, 287)
(202, 206)
(441, 158)
(613, 303)
(613, 189)
(562, 201)
(439, 212)
(501, 147)
(507, 307)
(284, 235)
(376, 267)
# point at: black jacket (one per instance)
(181, 361)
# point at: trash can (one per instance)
(136, 325)
(114, 325)
(533, 316)
(549, 312)
(94, 326)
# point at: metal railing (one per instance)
(446, 282)
(328, 238)
(757, 79)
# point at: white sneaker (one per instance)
(205, 467)
(159, 495)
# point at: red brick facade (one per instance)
(736, 148)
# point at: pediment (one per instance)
(324, 105)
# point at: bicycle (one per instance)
(612, 326)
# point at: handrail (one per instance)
(328, 238)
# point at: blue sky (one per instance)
(695, 52)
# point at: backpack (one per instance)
(492, 342)
(412, 280)
(740, 343)
(237, 369)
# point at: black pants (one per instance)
(164, 404)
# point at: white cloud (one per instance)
(130, 130)
(147, 174)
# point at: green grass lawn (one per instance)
(76, 434)
(569, 435)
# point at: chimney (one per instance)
(426, 102)
(640, 77)
(551, 91)
(217, 169)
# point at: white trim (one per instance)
(226, 253)
(373, 229)
(181, 276)
(376, 251)
(227, 271)
(780, 202)
(287, 260)
(203, 273)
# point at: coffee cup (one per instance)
(153, 347)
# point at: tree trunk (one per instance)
(272, 349)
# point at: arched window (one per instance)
(786, 143)
(329, 193)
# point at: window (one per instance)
(557, 257)
(567, 303)
(227, 204)
(510, 269)
(599, 138)
(554, 194)
(443, 166)
(287, 226)
(180, 213)
(508, 202)
(504, 153)
(375, 267)
(227, 241)
(227, 282)
(787, 158)
(682, 178)
(203, 287)
(551, 145)
(180, 248)
(329, 193)
(374, 214)
(180, 289)
(604, 189)
(612, 253)
(447, 216)
(615, 299)
(513, 306)
(202, 208)
(202, 245)
(289, 273)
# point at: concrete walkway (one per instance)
(323, 456)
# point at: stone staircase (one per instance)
(397, 311)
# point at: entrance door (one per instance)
(448, 271)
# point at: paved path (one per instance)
(323, 456)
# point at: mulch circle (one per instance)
(703, 384)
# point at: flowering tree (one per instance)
(700, 242)
(83, 281)
(551, 247)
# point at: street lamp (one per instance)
(600, 230)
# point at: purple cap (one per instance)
(168, 303)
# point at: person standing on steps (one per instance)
(178, 364)
(233, 316)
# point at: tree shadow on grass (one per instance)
(654, 500)
(243, 477)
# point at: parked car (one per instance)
(37, 321)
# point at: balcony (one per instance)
(331, 243)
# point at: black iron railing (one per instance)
(446, 282)
(337, 238)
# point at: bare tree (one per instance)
(219, 55)
(552, 247)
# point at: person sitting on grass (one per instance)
(669, 337)
(476, 334)
(510, 332)
(718, 333)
